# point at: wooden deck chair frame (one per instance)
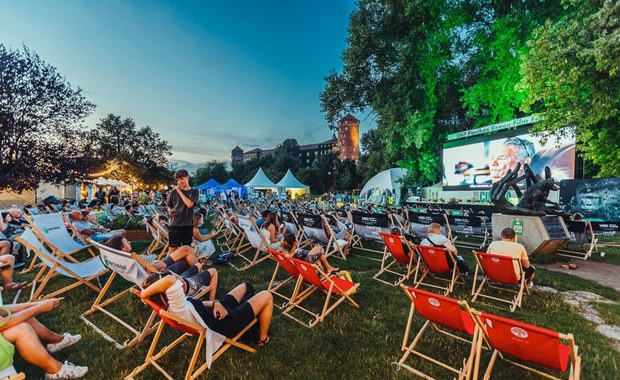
(292, 274)
(157, 242)
(519, 281)
(464, 372)
(455, 275)
(520, 332)
(394, 250)
(197, 330)
(54, 266)
(335, 288)
(100, 304)
(258, 243)
(334, 245)
(164, 239)
(592, 242)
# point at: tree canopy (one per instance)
(41, 136)
(427, 68)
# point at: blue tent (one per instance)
(208, 185)
(234, 185)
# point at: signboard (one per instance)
(470, 226)
(419, 223)
(493, 128)
(606, 228)
(517, 225)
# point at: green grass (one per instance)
(351, 343)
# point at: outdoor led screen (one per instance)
(477, 163)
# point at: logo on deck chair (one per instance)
(495, 259)
(391, 240)
(434, 302)
(519, 332)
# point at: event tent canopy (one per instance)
(290, 182)
(260, 181)
(379, 187)
(101, 181)
(234, 185)
(208, 185)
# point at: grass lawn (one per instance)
(351, 343)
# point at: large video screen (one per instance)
(477, 164)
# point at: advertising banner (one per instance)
(419, 223)
(470, 226)
(368, 225)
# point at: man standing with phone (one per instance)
(181, 202)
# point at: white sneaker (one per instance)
(530, 285)
(67, 340)
(68, 371)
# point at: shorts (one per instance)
(180, 235)
(195, 280)
(304, 255)
(239, 316)
(529, 271)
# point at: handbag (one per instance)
(7, 349)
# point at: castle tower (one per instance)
(348, 138)
(236, 155)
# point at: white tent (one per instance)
(101, 181)
(292, 184)
(382, 185)
(260, 181)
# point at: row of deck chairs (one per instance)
(507, 339)
(497, 271)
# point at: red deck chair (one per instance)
(188, 329)
(447, 313)
(528, 343)
(292, 275)
(500, 269)
(395, 250)
(436, 263)
(334, 286)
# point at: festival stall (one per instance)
(261, 182)
(233, 185)
(291, 185)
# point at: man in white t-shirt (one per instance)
(435, 238)
(509, 247)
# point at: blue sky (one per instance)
(203, 74)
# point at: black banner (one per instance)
(469, 226)
(472, 209)
(342, 213)
(309, 220)
(606, 228)
(368, 225)
(419, 223)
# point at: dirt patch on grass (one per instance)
(604, 273)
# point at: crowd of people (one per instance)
(185, 268)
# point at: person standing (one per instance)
(181, 202)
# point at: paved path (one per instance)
(603, 273)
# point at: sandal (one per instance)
(263, 342)
(16, 285)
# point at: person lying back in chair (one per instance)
(23, 330)
(290, 247)
(436, 239)
(181, 262)
(509, 247)
(227, 316)
(88, 229)
(7, 264)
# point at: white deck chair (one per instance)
(51, 229)
(314, 229)
(83, 272)
(131, 268)
(257, 241)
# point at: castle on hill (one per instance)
(346, 144)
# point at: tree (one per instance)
(285, 156)
(41, 138)
(140, 153)
(212, 169)
(347, 177)
(572, 77)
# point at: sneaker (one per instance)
(67, 340)
(530, 285)
(68, 371)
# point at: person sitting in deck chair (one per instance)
(7, 264)
(181, 262)
(271, 230)
(27, 334)
(436, 239)
(88, 229)
(204, 245)
(509, 247)
(290, 246)
(228, 317)
(410, 238)
(341, 231)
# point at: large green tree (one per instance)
(41, 137)
(212, 169)
(572, 78)
(140, 152)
